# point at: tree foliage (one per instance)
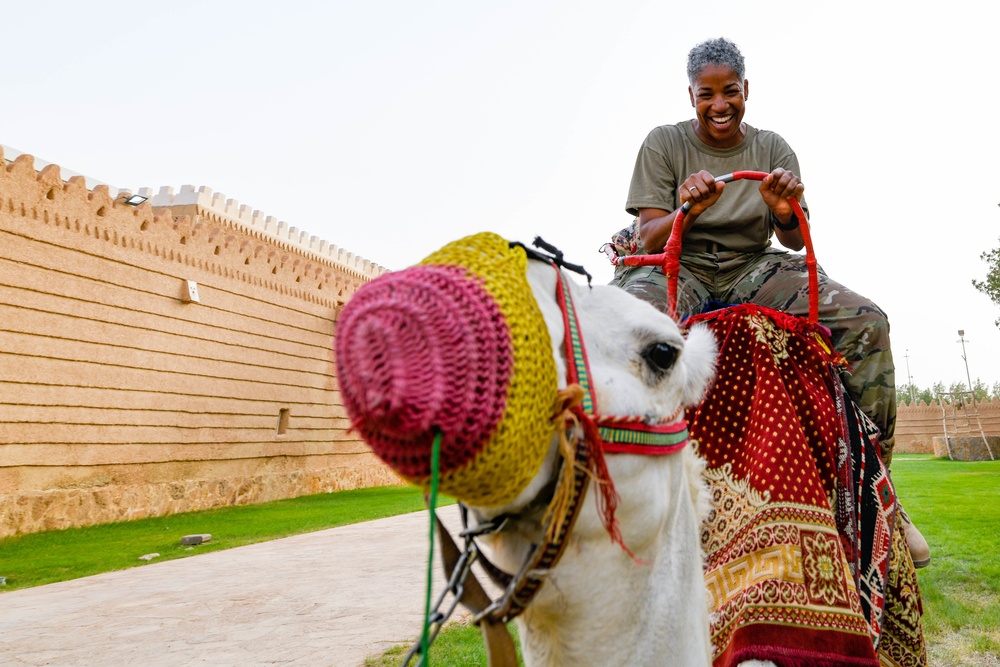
(991, 286)
(909, 395)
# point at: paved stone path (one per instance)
(324, 599)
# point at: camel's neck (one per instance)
(601, 608)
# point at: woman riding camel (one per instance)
(727, 256)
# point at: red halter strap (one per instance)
(618, 435)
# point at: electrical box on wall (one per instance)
(191, 292)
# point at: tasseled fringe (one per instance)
(607, 497)
(566, 422)
(571, 419)
(561, 500)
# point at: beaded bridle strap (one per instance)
(618, 435)
(584, 438)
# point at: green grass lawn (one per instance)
(44, 558)
(956, 505)
(457, 644)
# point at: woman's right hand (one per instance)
(702, 191)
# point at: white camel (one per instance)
(599, 606)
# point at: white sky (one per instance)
(393, 127)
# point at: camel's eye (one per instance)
(660, 356)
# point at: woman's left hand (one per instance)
(777, 187)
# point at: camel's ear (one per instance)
(699, 363)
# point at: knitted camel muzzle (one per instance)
(456, 345)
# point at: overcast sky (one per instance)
(392, 128)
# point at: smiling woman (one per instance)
(728, 256)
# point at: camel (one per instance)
(638, 599)
(599, 606)
(500, 381)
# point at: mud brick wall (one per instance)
(121, 397)
(917, 425)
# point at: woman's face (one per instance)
(719, 99)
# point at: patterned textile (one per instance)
(902, 642)
(865, 509)
(799, 541)
(626, 241)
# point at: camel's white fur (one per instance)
(598, 607)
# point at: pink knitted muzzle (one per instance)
(423, 350)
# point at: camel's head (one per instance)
(469, 346)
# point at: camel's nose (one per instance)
(420, 351)
(455, 347)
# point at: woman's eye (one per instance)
(660, 356)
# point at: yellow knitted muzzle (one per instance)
(456, 345)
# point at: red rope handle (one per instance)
(670, 258)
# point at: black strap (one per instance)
(794, 224)
(552, 255)
(500, 651)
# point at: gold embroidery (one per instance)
(767, 333)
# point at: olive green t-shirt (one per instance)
(740, 220)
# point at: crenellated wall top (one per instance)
(208, 202)
(215, 205)
(935, 406)
(11, 154)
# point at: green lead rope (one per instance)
(431, 505)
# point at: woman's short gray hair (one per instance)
(719, 51)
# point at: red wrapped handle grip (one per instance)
(670, 258)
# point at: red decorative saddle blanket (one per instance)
(806, 562)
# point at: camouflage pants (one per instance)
(778, 279)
